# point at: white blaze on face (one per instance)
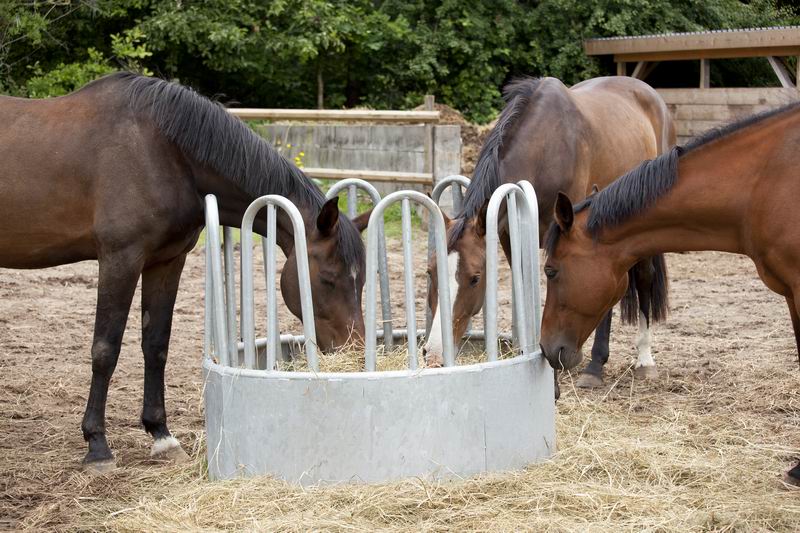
(644, 342)
(433, 346)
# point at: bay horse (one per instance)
(560, 139)
(117, 171)
(732, 190)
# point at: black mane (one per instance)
(486, 177)
(205, 131)
(638, 189)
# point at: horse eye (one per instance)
(550, 272)
(474, 281)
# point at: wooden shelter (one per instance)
(698, 109)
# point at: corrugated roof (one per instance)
(685, 33)
(746, 42)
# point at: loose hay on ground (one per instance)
(620, 467)
(698, 449)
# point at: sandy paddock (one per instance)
(702, 447)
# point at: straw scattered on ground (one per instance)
(700, 448)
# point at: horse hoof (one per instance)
(589, 381)
(645, 372)
(790, 480)
(169, 450)
(98, 468)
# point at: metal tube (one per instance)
(352, 202)
(518, 285)
(490, 302)
(273, 336)
(207, 297)
(218, 300)
(455, 183)
(437, 221)
(230, 292)
(383, 263)
(301, 255)
(534, 285)
(408, 278)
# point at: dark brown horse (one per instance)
(733, 190)
(117, 172)
(561, 139)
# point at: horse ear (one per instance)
(480, 223)
(447, 220)
(328, 217)
(362, 220)
(563, 212)
(595, 189)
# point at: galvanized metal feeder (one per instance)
(317, 427)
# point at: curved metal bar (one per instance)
(383, 262)
(218, 318)
(301, 256)
(490, 304)
(449, 181)
(436, 194)
(437, 221)
(230, 292)
(531, 265)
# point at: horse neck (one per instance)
(709, 206)
(233, 202)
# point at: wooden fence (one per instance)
(697, 110)
(347, 140)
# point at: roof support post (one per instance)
(622, 68)
(781, 71)
(705, 73)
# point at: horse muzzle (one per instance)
(562, 356)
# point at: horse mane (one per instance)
(486, 176)
(639, 188)
(204, 130)
(635, 192)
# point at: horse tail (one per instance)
(657, 294)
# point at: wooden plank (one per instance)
(762, 38)
(638, 71)
(337, 115)
(419, 178)
(729, 53)
(714, 112)
(730, 96)
(781, 72)
(696, 127)
(622, 68)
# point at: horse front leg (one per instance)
(159, 289)
(118, 275)
(591, 377)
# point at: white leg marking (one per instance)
(644, 342)
(433, 347)
(163, 444)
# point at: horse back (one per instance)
(627, 123)
(80, 173)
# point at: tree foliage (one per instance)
(379, 53)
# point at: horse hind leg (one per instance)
(592, 376)
(159, 289)
(645, 364)
(118, 275)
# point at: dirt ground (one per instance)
(728, 369)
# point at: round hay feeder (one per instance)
(322, 427)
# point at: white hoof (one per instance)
(169, 449)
